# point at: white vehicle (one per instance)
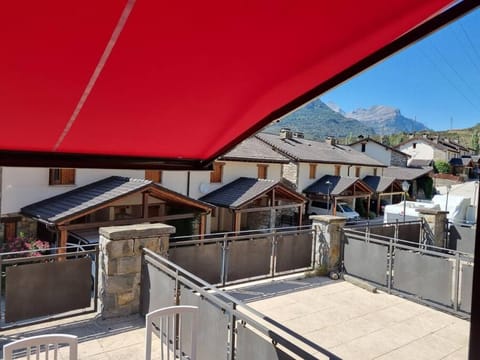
(342, 209)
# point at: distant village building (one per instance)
(387, 155)
(433, 148)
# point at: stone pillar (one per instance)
(120, 264)
(437, 224)
(328, 242)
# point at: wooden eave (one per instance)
(153, 190)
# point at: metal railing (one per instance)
(232, 330)
(41, 285)
(436, 276)
(229, 258)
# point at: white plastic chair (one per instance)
(168, 324)
(32, 347)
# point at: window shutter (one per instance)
(262, 171)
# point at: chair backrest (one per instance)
(32, 347)
(176, 326)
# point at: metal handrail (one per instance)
(230, 304)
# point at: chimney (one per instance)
(411, 135)
(425, 136)
(299, 135)
(331, 140)
(285, 133)
(435, 139)
(360, 137)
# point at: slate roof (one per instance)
(461, 162)
(367, 139)
(378, 183)
(90, 196)
(338, 184)
(406, 173)
(253, 149)
(318, 152)
(419, 163)
(241, 191)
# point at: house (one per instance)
(253, 204)
(22, 186)
(333, 189)
(312, 160)
(113, 201)
(462, 166)
(386, 190)
(432, 148)
(418, 178)
(387, 155)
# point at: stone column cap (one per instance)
(328, 219)
(431, 211)
(136, 231)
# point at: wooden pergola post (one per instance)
(237, 221)
(62, 243)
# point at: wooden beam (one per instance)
(267, 208)
(125, 222)
(145, 204)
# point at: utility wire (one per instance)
(450, 81)
(472, 46)
(474, 91)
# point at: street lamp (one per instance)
(449, 187)
(405, 187)
(328, 183)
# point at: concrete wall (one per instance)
(375, 151)
(232, 170)
(423, 150)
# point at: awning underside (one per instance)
(181, 81)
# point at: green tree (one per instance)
(474, 142)
(442, 167)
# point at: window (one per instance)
(414, 145)
(313, 171)
(374, 171)
(262, 171)
(217, 173)
(357, 171)
(363, 147)
(154, 175)
(60, 176)
(337, 170)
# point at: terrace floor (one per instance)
(341, 318)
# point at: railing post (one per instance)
(395, 235)
(273, 258)
(223, 272)
(3, 288)
(456, 281)
(233, 332)
(390, 265)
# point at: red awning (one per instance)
(180, 81)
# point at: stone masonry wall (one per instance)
(290, 172)
(398, 160)
(120, 264)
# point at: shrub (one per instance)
(23, 243)
(442, 167)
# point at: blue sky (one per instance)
(436, 81)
